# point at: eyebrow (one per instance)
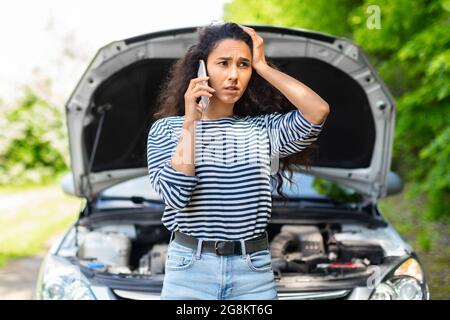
(229, 58)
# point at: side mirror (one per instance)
(67, 184)
(394, 184)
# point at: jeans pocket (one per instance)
(260, 261)
(179, 257)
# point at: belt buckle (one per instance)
(216, 247)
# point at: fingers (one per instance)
(249, 30)
(204, 88)
(198, 80)
(243, 27)
(252, 33)
(200, 89)
(203, 94)
(199, 108)
(198, 93)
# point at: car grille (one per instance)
(319, 295)
(136, 295)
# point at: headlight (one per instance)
(407, 288)
(383, 292)
(64, 281)
(406, 283)
(410, 268)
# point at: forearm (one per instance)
(184, 156)
(314, 108)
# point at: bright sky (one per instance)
(57, 39)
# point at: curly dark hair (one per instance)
(259, 98)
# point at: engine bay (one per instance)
(140, 250)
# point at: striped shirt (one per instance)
(229, 197)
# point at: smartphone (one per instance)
(204, 101)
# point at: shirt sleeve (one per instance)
(290, 132)
(175, 188)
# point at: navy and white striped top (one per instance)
(229, 197)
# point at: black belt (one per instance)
(223, 248)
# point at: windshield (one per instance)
(303, 186)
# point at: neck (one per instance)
(218, 109)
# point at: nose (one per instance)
(232, 74)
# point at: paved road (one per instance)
(18, 278)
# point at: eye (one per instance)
(245, 64)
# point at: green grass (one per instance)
(406, 214)
(21, 186)
(430, 239)
(36, 215)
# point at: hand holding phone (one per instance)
(196, 97)
(202, 73)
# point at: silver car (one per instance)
(329, 241)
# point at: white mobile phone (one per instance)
(202, 73)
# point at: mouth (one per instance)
(231, 90)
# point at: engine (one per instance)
(295, 249)
(310, 250)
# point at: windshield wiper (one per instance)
(317, 200)
(304, 199)
(134, 199)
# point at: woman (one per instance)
(213, 168)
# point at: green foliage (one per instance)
(411, 52)
(324, 16)
(34, 142)
(336, 192)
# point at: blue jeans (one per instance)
(193, 274)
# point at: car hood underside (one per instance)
(111, 109)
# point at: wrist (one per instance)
(188, 120)
(261, 67)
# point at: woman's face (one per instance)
(229, 64)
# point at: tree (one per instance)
(411, 52)
(34, 147)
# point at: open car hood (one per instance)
(110, 110)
